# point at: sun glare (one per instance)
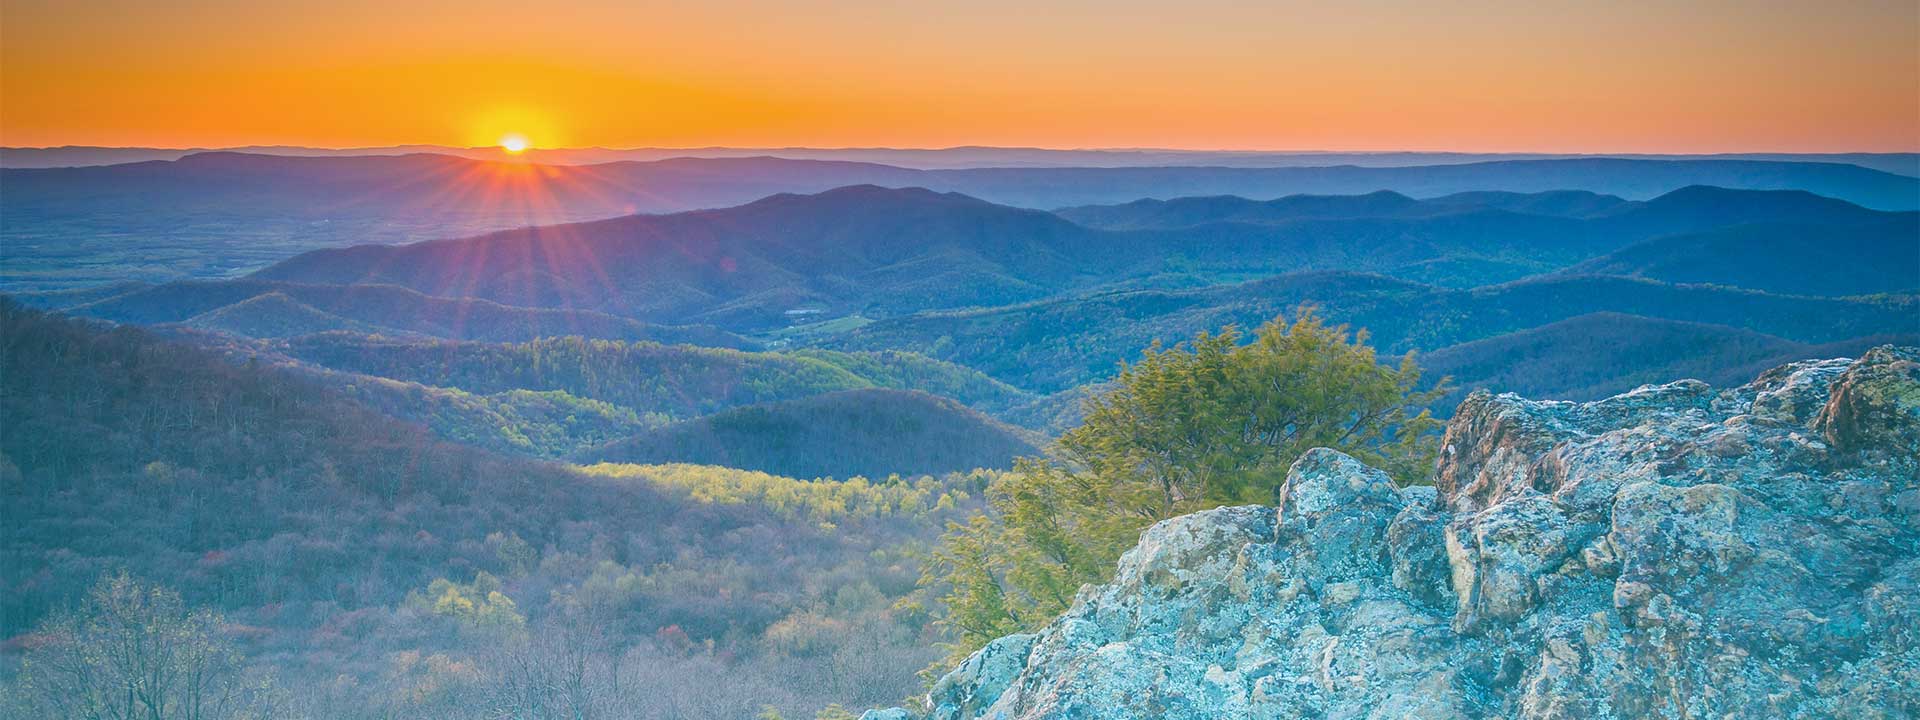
(513, 143)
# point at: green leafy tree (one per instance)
(1207, 423)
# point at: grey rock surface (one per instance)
(1672, 552)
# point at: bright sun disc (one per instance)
(513, 143)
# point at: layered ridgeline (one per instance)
(1675, 551)
(215, 214)
(875, 252)
(1619, 292)
(943, 273)
(868, 252)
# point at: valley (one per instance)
(677, 320)
(734, 441)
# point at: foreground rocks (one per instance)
(1674, 552)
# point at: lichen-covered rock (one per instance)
(1674, 551)
(979, 681)
(1874, 409)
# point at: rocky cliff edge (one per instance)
(1674, 552)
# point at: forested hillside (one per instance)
(1593, 356)
(555, 397)
(676, 381)
(1055, 344)
(420, 575)
(1788, 258)
(269, 309)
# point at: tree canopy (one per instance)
(1213, 421)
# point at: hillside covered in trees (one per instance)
(377, 571)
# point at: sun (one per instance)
(514, 143)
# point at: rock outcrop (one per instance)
(1672, 552)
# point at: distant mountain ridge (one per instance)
(841, 250)
(1191, 211)
(221, 213)
(1689, 206)
(884, 252)
(1012, 311)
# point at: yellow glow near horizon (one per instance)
(514, 143)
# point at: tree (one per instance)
(1206, 423)
(133, 651)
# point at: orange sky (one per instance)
(1547, 75)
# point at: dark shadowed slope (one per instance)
(1594, 356)
(1706, 206)
(872, 433)
(1056, 344)
(1797, 258)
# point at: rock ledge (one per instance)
(1675, 551)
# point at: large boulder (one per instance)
(1675, 551)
